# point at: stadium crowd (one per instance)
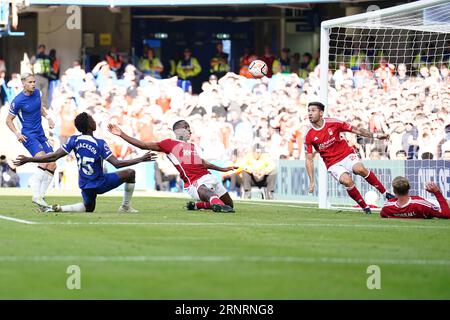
(253, 122)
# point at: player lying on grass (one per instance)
(185, 156)
(90, 153)
(414, 207)
(340, 159)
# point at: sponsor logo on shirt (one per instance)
(327, 143)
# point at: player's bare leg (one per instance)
(346, 180)
(129, 177)
(370, 177)
(217, 205)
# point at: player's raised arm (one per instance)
(214, 167)
(434, 189)
(149, 156)
(49, 157)
(115, 130)
(366, 133)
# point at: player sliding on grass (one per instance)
(185, 156)
(414, 207)
(90, 153)
(340, 159)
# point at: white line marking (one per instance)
(306, 206)
(256, 224)
(18, 220)
(196, 259)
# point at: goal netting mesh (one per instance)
(388, 72)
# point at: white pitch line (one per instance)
(201, 224)
(215, 259)
(17, 220)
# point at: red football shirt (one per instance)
(328, 142)
(417, 208)
(186, 158)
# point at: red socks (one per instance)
(353, 192)
(202, 205)
(373, 180)
(216, 200)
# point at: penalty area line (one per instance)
(17, 220)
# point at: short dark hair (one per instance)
(401, 186)
(319, 105)
(427, 156)
(82, 122)
(178, 124)
(400, 152)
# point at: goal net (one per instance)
(388, 72)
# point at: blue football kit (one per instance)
(28, 110)
(90, 153)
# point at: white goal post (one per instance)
(410, 35)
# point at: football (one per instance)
(258, 69)
(371, 198)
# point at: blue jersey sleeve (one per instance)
(106, 151)
(14, 108)
(69, 145)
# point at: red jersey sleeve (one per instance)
(167, 145)
(346, 127)
(307, 144)
(445, 209)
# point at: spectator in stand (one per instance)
(401, 155)
(188, 70)
(307, 65)
(115, 61)
(446, 155)
(269, 59)
(401, 77)
(149, 64)
(295, 63)
(244, 63)
(41, 70)
(258, 170)
(283, 64)
(409, 141)
(219, 62)
(342, 74)
(8, 175)
(444, 144)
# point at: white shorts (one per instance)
(209, 181)
(344, 166)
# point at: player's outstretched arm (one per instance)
(149, 156)
(310, 170)
(434, 189)
(49, 157)
(366, 133)
(115, 130)
(214, 167)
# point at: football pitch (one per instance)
(263, 251)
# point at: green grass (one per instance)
(260, 252)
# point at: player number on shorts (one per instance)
(84, 163)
